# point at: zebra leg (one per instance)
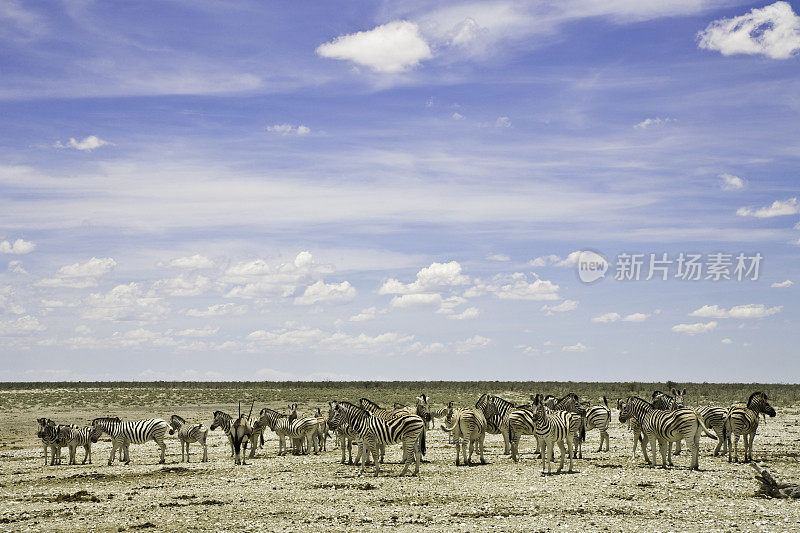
(89, 453)
(506, 440)
(695, 448)
(749, 457)
(471, 449)
(113, 451)
(480, 448)
(186, 444)
(678, 447)
(163, 447)
(608, 439)
(736, 448)
(408, 454)
(563, 452)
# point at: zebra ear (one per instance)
(684, 392)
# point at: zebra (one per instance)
(636, 429)
(346, 435)
(569, 402)
(74, 437)
(407, 428)
(123, 434)
(595, 416)
(301, 428)
(223, 420)
(714, 419)
(549, 427)
(469, 425)
(384, 414)
(666, 426)
(497, 423)
(321, 434)
(51, 436)
(188, 434)
(743, 420)
(241, 434)
(668, 402)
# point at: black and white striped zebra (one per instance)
(346, 436)
(224, 421)
(407, 428)
(74, 437)
(569, 402)
(742, 420)
(714, 419)
(497, 423)
(468, 426)
(188, 433)
(123, 434)
(666, 426)
(301, 429)
(51, 436)
(666, 402)
(636, 428)
(594, 417)
(550, 428)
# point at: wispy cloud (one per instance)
(87, 144)
(776, 209)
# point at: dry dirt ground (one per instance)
(607, 491)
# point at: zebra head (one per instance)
(292, 411)
(549, 401)
(42, 424)
(624, 410)
(678, 396)
(221, 419)
(175, 424)
(539, 406)
(95, 433)
(758, 403)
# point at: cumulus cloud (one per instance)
(607, 318)
(183, 286)
(393, 47)
(554, 260)
(417, 300)
(206, 331)
(566, 305)
(726, 341)
(367, 314)
(18, 247)
(772, 31)
(23, 326)
(466, 314)
(694, 329)
(457, 116)
(776, 209)
(328, 293)
(472, 344)
(125, 303)
(226, 309)
(782, 284)
(502, 122)
(729, 182)
(579, 347)
(87, 144)
(15, 267)
(517, 286)
(289, 129)
(317, 340)
(498, 257)
(436, 277)
(636, 317)
(261, 279)
(194, 262)
(9, 303)
(80, 275)
(739, 311)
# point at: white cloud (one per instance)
(579, 347)
(555, 260)
(390, 343)
(22, 327)
(739, 311)
(498, 257)
(417, 300)
(206, 331)
(472, 344)
(18, 247)
(289, 129)
(83, 330)
(528, 350)
(466, 314)
(606, 318)
(517, 287)
(729, 182)
(328, 293)
(80, 275)
(773, 31)
(566, 305)
(636, 317)
(457, 116)
(9, 303)
(367, 314)
(694, 329)
(15, 267)
(393, 47)
(194, 262)
(86, 144)
(726, 341)
(227, 309)
(776, 209)
(183, 286)
(437, 277)
(270, 374)
(782, 284)
(651, 122)
(125, 303)
(260, 279)
(502, 122)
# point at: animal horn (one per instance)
(240, 408)
(251, 409)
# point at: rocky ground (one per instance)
(607, 491)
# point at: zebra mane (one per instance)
(569, 395)
(355, 407)
(365, 401)
(501, 401)
(757, 393)
(640, 399)
(223, 414)
(113, 419)
(659, 393)
(178, 419)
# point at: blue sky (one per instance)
(395, 190)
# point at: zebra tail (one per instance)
(422, 442)
(725, 427)
(705, 429)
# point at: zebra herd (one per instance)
(554, 422)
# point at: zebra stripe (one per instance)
(667, 402)
(403, 427)
(123, 434)
(742, 420)
(550, 428)
(714, 419)
(188, 433)
(666, 426)
(596, 417)
(346, 436)
(50, 433)
(498, 422)
(284, 426)
(636, 429)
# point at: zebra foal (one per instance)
(74, 437)
(188, 433)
